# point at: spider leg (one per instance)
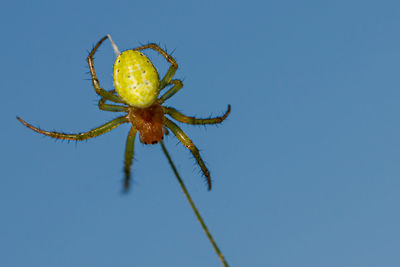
(172, 69)
(177, 86)
(130, 144)
(100, 91)
(113, 108)
(80, 136)
(192, 120)
(185, 140)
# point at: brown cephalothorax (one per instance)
(148, 122)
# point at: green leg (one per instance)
(185, 140)
(192, 120)
(113, 108)
(177, 86)
(172, 69)
(130, 144)
(80, 136)
(100, 91)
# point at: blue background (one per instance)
(306, 169)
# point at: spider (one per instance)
(137, 87)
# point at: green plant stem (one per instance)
(203, 225)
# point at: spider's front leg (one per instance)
(129, 148)
(185, 140)
(80, 136)
(172, 69)
(96, 84)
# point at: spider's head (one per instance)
(148, 122)
(136, 79)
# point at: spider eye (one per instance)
(136, 80)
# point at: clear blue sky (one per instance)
(306, 169)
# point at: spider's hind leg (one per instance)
(113, 108)
(172, 69)
(177, 86)
(95, 81)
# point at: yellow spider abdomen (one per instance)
(136, 79)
